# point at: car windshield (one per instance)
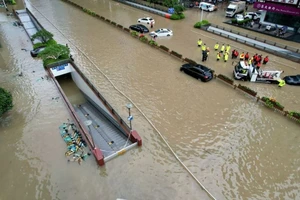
(240, 69)
(150, 19)
(230, 10)
(157, 31)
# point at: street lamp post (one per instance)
(201, 15)
(130, 117)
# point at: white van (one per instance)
(207, 6)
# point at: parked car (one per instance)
(252, 15)
(139, 28)
(207, 6)
(292, 80)
(35, 52)
(239, 17)
(198, 71)
(146, 20)
(161, 32)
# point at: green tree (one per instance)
(55, 52)
(5, 101)
(179, 9)
(170, 3)
(153, 1)
(43, 35)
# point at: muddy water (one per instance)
(33, 165)
(236, 147)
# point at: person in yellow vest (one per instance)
(203, 47)
(228, 48)
(226, 55)
(218, 56)
(281, 83)
(250, 61)
(199, 43)
(222, 48)
(242, 56)
(216, 47)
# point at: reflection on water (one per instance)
(236, 147)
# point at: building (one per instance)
(280, 13)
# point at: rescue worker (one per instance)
(218, 56)
(203, 47)
(222, 48)
(204, 55)
(242, 56)
(228, 48)
(199, 43)
(266, 60)
(216, 47)
(250, 61)
(207, 51)
(281, 83)
(258, 65)
(247, 56)
(226, 56)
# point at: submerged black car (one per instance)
(139, 28)
(198, 71)
(35, 52)
(292, 80)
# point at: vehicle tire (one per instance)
(147, 22)
(181, 69)
(139, 21)
(168, 35)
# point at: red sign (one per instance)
(272, 7)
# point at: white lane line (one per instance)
(240, 48)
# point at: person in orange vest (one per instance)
(247, 56)
(242, 56)
(266, 60)
(258, 65)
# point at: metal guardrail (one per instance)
(277, 53)
(293, 49)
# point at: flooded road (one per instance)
(237, 148)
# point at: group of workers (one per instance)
(224, 52)
(256, 59)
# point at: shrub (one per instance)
(295, 114)
(190, 61)
(177, 16)
(5, 101)
(227, 79)
(201, 23)
(247, 90)
(54, 53)
(234, 21)
(113, 23)
(126, 29)
(176, 54)
(38, 45)
(272, 102)
(43, 35)
(134, 33)
(164, 48)
(152, 42)
(144, 39)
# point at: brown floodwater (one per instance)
(236, 147)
